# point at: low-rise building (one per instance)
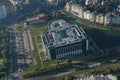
(37, 19)
(3, 12)
(62, 40)
(115, 19)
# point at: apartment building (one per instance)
(83, 13)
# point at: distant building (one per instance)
(3, 12)
(100, 18)
(107, 19)
(98, 77)
(92, 17)
(83, 13)
(75, 9)
(88, 2)
(19, 2)
(92, 2)
(56, 2)
(86, 14)
(115, 19)
(62, 40)
(41, 18)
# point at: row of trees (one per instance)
(4, 52)
(104, 70)
(67, 77)
(37, 71)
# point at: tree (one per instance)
(69, 77)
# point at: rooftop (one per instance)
(62, 33)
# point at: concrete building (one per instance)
(100, 18)
(107, 19)
(62, 40)
(86, 14)
(81, 12)
(68, 6)
(3, 12)
(75, 9)
(92, 17)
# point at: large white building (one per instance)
(62, 40)
(3, 12)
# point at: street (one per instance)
(21, 51)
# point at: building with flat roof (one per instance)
(40, 18)
(62, 40)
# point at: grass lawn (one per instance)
(40, 46)
(43, 56)
(38, 30)
(39, 40)
(35, 32)
(34, 44)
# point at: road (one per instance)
(14, 56)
